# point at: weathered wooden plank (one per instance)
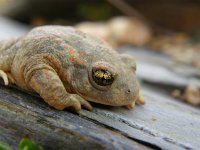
(161, 123)
(25, 115)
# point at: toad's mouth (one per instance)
(105, 101)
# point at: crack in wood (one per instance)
(122, 133)
(145, 130)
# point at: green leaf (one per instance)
(27, 144)
(4, 146)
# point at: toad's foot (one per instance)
(140, 100)
(130, 106)
(74, 101)
(4, 76)
(7, 77)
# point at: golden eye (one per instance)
(99, 74)
(108, 75)
(102, 77)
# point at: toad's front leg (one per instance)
(47, 83)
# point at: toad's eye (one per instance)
(102, 77)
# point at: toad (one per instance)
(69, 68)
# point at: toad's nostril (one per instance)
(128, 91)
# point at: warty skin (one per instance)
(69, 68)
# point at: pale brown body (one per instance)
(59, 62)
